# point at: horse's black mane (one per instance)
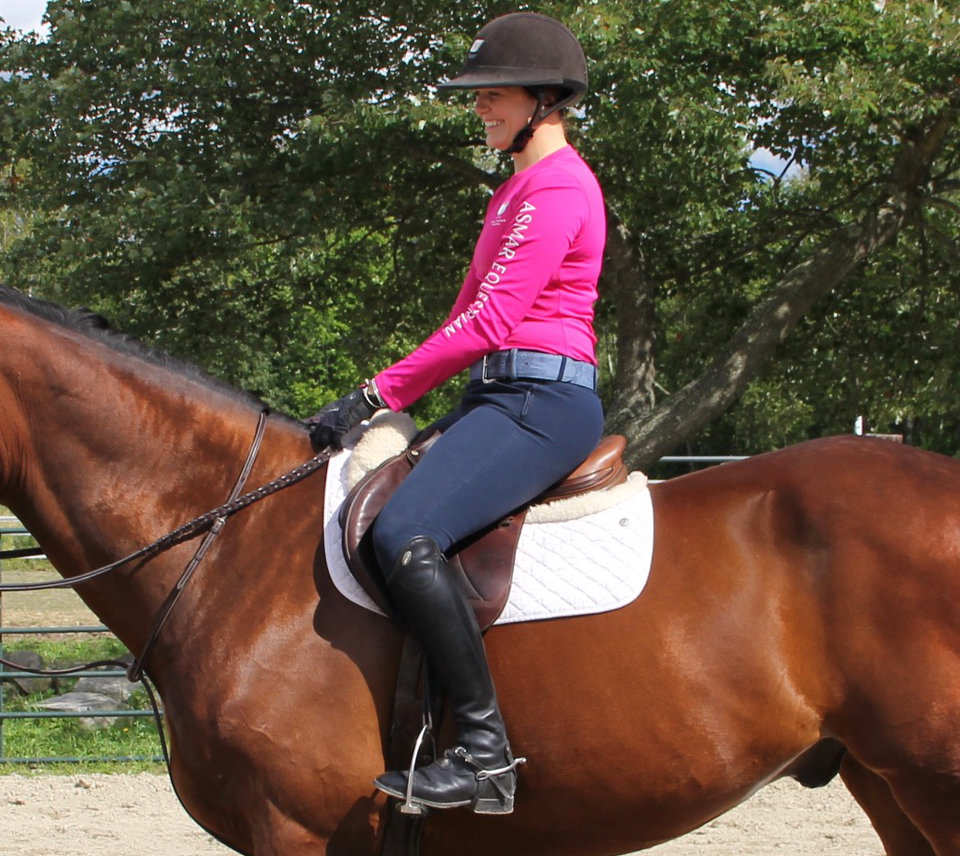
(96, 327)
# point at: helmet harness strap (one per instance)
(539, 114)
(526, 132)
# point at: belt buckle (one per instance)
(483, 371)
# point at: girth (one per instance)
(485, 561)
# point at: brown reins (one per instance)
(212, 522)
(136, 668)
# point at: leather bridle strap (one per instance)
(136, 668)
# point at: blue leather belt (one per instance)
(516, 364)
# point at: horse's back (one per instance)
(830, 494)
(854, 464)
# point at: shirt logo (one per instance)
(499, 219)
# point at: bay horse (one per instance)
(802, 613)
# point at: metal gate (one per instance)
(10, 527)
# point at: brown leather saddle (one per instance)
(484, 562)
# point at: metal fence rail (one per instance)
(10, 527)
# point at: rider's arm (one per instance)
(530, 246)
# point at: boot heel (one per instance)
(495, 794)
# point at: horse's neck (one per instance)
(112, 453)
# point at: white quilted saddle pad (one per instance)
(594, 563)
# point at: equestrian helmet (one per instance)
(525, 49)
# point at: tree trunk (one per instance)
(635, 300)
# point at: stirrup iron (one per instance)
(410, 806)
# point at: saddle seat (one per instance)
(483, 562)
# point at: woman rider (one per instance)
(523, 324)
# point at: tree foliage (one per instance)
(274, 190)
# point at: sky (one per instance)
(762, 159)
(22, 14)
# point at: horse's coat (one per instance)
(806, 595)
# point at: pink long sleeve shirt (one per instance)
(532, 282)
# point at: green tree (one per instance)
(274, 190)
(862, 96)
(15, 222)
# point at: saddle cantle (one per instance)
(602, 468)
(485, 561)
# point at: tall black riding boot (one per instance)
(480, 771)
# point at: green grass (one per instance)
(128, 737)
(70, 652)
(70, 737)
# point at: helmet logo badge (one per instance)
(475, 47)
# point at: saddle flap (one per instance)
(359, 510)
(484, 562)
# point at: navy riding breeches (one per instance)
(506, 443)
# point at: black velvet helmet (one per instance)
(529, 50)
(524, 49)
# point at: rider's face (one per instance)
(504, 111)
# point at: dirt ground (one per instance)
(46, 608)
(138, 815)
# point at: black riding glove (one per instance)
(329, 424)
